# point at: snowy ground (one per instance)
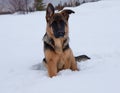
(94, 30)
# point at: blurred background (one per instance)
(26, 6)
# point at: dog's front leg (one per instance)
(52, 68)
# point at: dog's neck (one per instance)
(59, 44)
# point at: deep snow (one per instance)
(94, 30)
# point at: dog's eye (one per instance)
(62, 23)
(54, 23)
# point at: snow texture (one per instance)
(94, 31)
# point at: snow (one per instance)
(94, 30)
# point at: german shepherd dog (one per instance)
(58, 54)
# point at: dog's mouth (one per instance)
(59, 34)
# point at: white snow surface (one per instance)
(94, 31)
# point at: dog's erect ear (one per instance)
(66, 13)
(49, 11)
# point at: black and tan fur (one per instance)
(58, 54)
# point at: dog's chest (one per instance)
(60, 65)
(63, 60)
(56, 45)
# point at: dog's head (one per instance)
(57, 23)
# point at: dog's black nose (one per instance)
(61, 33)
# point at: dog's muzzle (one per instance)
(59, 33)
